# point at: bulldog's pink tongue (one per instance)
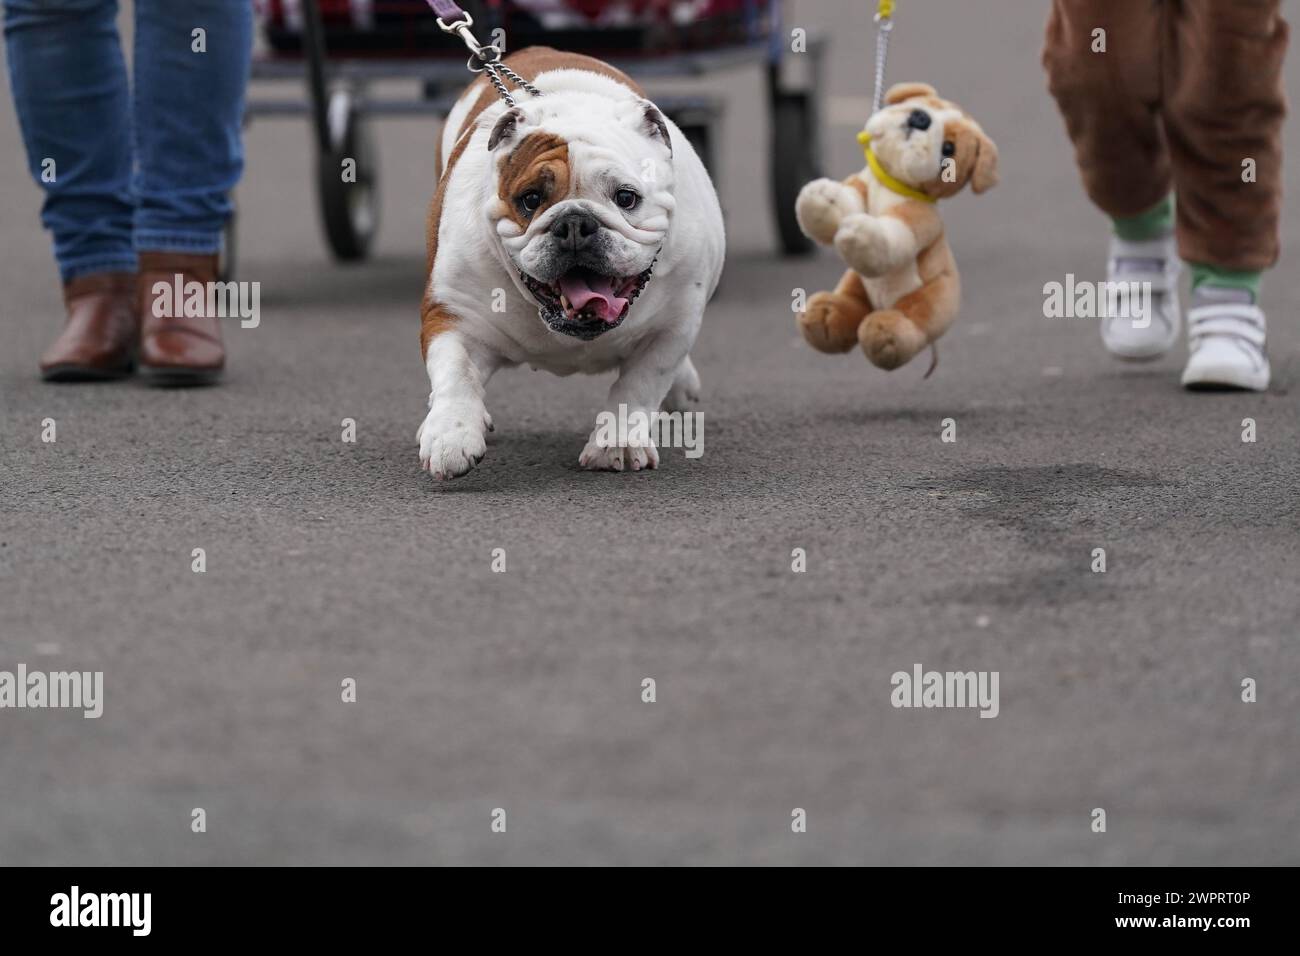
(588, 292)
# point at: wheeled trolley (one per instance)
(342, 47)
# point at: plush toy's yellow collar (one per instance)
(886, 180)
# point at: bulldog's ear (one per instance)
(985, 176)
(905, 91)
(654, 124)
(506, 127)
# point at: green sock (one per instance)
(1225, 278)
(1156, 223)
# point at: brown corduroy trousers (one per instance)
(1185, 94)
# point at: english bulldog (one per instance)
(575, 232)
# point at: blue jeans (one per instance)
(129, 167)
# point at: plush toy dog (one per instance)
(902, 290)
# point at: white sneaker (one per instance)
(1144, 337)
(1226, 333)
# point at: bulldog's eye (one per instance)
(950, 148)
(627, 198)
(530, 201)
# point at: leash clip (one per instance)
(481, 56)
(484, 58)
(457, 25)
(487, 56)
(462, 29)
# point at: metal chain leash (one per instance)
(483, 58)
(498, 67)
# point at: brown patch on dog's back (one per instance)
(435, 207)
(528, 63)
(433, 317)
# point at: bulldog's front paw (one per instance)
(599, 457)
(865, 245)
(453, 440)
(822, 206)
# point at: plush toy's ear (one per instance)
(905, 91)
(505, 128)
(985, 176)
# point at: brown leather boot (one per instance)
(98, 342)
(175, 348)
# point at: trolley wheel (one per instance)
(794, 164)
(349, 191)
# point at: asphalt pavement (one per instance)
(477, 690)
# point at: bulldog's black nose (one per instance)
(575, 230)
(919, 119)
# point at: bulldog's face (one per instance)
(583, 203)
(929, 144)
